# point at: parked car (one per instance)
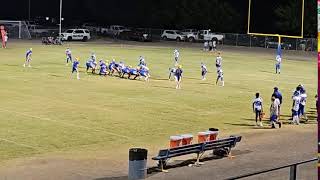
(138, 34)
(204, 35)
(91, 27)
(173, 35)
(76, 34)
(189, 31)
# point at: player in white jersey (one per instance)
(203, 71)
(278, 64)
(219, 61)
(220, 77)
(257, 108)
(28, 58)
(93, 56)
(172, 71)
(69, 56)
(142, 62)
(176, 54)
(303, 102)
(295, 109)
(274, 112)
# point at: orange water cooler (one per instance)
(175, 141)
(203, 137)
(186, 139)
(213, 134)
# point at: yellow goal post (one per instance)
(276, 35)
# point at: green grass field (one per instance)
(43, 110)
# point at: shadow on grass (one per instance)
(183, 163)
(55, 75)
(270, 72)
(164, 87)
(249, 125)
(161, 79)
(113, 178)
(192, 78)
(212, 84)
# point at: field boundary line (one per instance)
(64, 123)
(19, 144)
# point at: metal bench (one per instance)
(220, 147)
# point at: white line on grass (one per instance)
(64, 123)
(94, 107)
(19, 144)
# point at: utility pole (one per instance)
(60, 20)
(29, 11)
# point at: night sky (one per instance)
(165, 13)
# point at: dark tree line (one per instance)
(219, 15)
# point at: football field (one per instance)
(44, 110)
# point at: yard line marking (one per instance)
(67, 124)
(19, 144)
(96, 107)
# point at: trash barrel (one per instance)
(137, 163)
(213, 134)
(203, 137)
(186, 139)
(175, 141)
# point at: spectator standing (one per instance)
(5, 39)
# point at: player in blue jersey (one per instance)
(28, 58)
(204, 71)
(68, 56)
(114, 66)
(125, 70)
(103, 68)
(75, 67)
(133, 72)
(178, 76)
(144, 72)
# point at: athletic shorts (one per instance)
(74, 70)
(295, 113)
(203, 73)
(273, 118)
(278, 66)
(178, 78)
(258, 112)
(301, 109)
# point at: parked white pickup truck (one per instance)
(36, 29)
(204, 35)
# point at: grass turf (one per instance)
(43, 109)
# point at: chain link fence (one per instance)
(305, 44)
(232, 39)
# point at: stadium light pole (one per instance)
(60, 20)
(29, 8)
